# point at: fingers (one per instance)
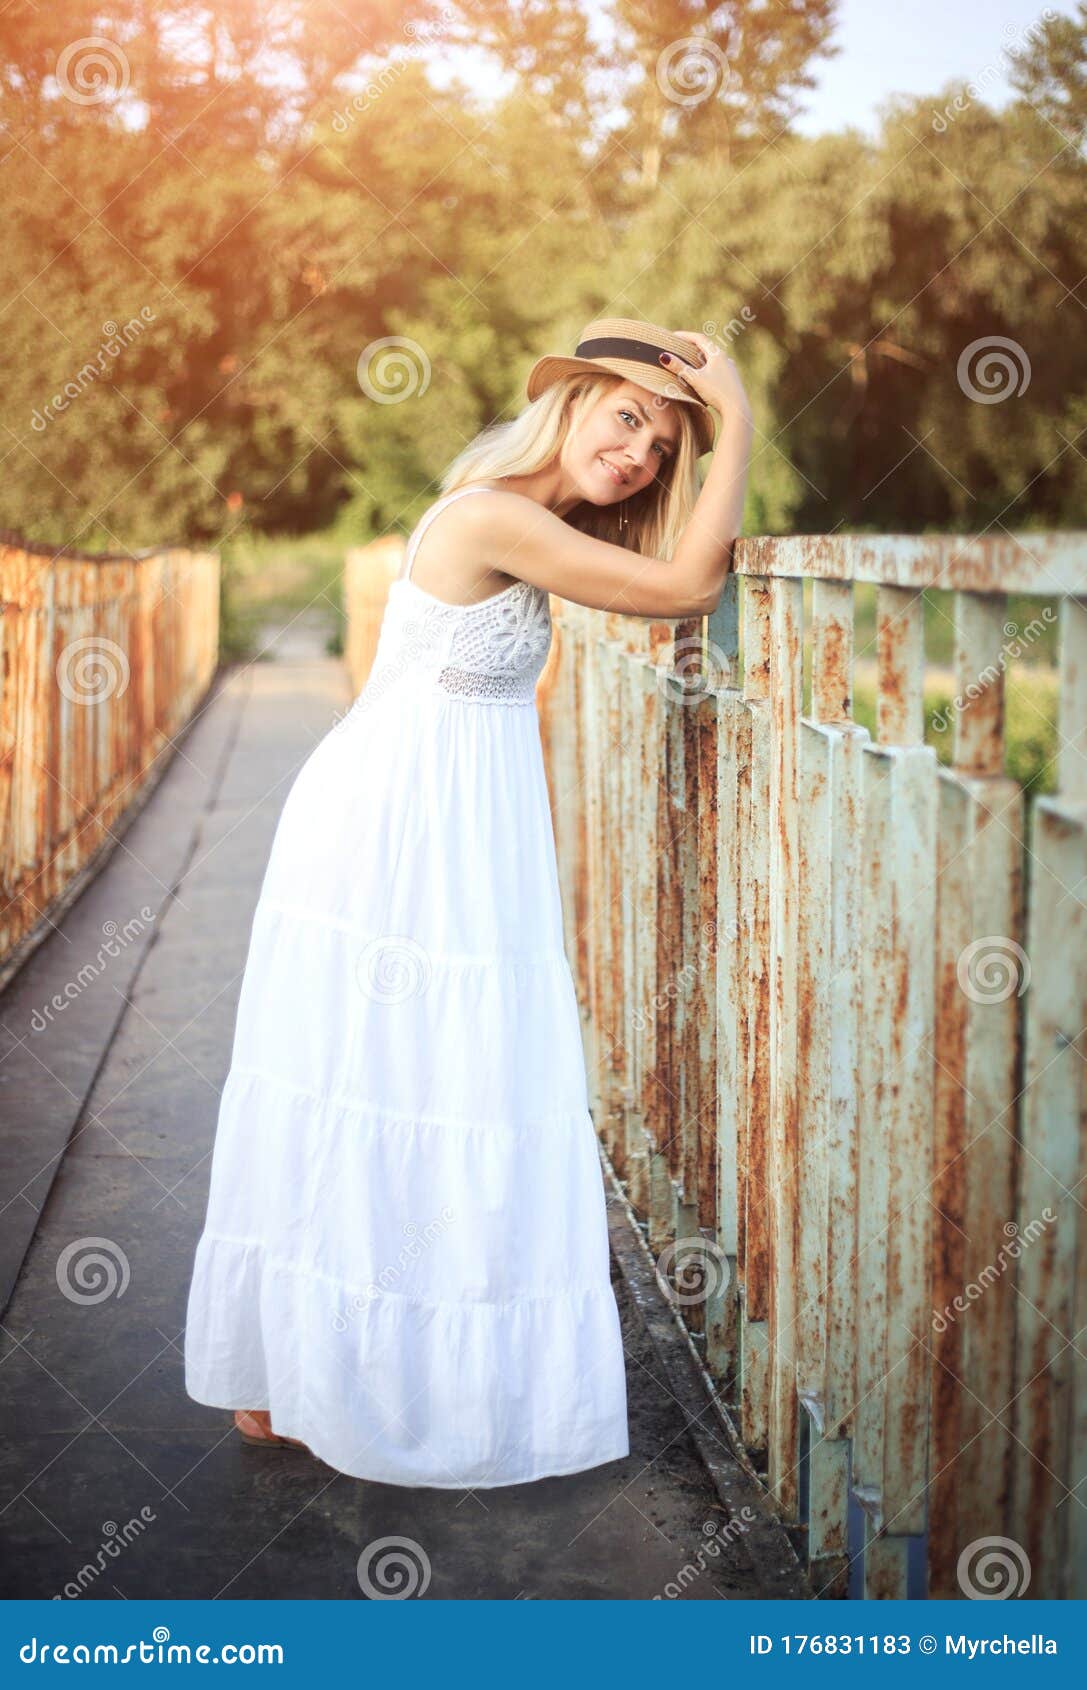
(679, 366)
(706, 341)
(707, 346)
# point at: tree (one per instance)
(1051, 72)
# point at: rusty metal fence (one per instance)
(834, 1006)
(104, 660)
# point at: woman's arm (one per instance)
(526, 540)
(704, 551)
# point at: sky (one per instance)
(914, 47)
(887, 47)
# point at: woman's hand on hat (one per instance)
(717, 380)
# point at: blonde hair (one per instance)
(655, 517)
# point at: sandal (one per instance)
(255, 1428)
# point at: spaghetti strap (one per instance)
(424, 522)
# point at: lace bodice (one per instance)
(489, 652)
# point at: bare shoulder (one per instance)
(452, 556)
(473, 546)
(529, 542)
(504, 512)
(506, 530)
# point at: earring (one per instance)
(622, 519)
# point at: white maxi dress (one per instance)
(405, 1253)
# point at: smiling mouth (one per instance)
(617, 476)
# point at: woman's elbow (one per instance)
(698, 604)
(681, 607)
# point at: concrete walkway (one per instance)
(113, 1483)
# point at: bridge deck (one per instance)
(126, 1074)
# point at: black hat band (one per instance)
(615, 346)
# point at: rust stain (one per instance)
(833, 698)
(104, 660)
(670, 1072)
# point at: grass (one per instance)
(1030, 724)
(1030, 654)
(1030, 630)
(272, 580)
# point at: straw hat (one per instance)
(631, 349)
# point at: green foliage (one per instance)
(1030, 732)
(200, 265)
(1030, 679)
(282, 582)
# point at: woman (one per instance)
(404, 1266)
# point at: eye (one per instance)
(662, 450)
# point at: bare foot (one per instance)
(257, 1423)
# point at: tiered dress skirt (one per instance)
(405, 1251)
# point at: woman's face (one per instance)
(623, 443)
